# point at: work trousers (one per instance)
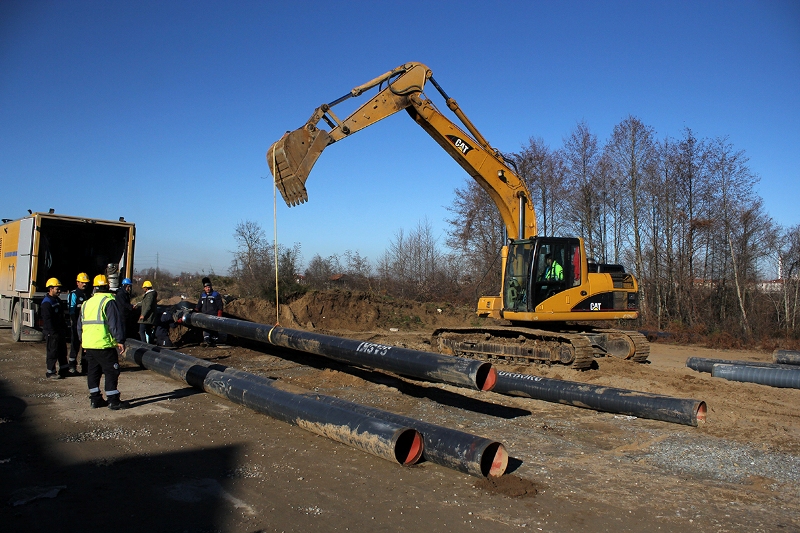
(103, 362)
(146, 333)
(75, 345)
(56, 351)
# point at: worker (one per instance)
(147, 319)
(554, 271)
(102, 336)
(123, 300)
(75, 300)
(54, 328)
(163, 325)
(210, 303)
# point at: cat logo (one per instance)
(594, 306)
(459, 143)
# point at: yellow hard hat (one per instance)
(100, 280)
(53, 282)
(83, 278)
(147, 284)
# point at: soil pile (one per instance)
(352, 311)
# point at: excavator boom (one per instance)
(293, 156)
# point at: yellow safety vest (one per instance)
(94, 333)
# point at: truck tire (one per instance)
(16, 322)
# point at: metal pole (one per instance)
(609, 399)
(381, 438)
(774, 377)
(413, 363)
(702, 364)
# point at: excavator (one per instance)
(550, 289)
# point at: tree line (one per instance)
(682, 214)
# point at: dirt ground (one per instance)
(181, 460)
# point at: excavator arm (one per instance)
(293, 156)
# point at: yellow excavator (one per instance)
(547, 281)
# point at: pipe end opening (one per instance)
(700, 415)
(486, 377)
(494, 460)
(409, 447)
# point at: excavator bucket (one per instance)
(291, 158)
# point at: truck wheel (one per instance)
(16, 322)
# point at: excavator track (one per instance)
(520, 345)
(516, 345)
(638, 347)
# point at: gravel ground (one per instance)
(184, 461)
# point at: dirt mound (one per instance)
(351, 311)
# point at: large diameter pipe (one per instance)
(471, 454)
(612, 400)
(384, 439)
(786, 357)
(454, 449)
(774, 377)
(413, 363)
(703, 364)
(447, 447)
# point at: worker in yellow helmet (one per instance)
(54, 328)
(102, 336)
(75, 300)
(149, 313)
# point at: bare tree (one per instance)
(319, 271)
(253, 265)
(632, 158)
(476, 234)
(789, 261)
(543, 173)
(738, 209)
(581, 157)
(412, 264)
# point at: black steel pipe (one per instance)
(450, 448)
(471, 454)
(612, 400)
(774, 377)
(454, 449)
(413, 363)
(786, 357)
(381, 438)
(703, 364)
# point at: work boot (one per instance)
(73, 369)
(52, 375)
(97, 400)
(115, 404)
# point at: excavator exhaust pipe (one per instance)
(291, 159)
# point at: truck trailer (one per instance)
(41, 246)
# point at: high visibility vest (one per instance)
(554, 272)
(95, 334)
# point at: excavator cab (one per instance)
(537, 269)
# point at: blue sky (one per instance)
(162, 112)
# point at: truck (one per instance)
(543, 315)
(41, 246)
